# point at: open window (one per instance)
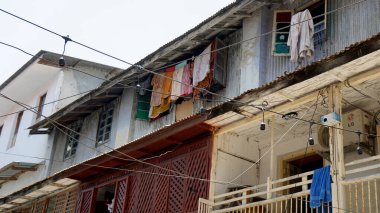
(282, 21)
(318, 12)
(72, 139)
(105, 199)
(17, 127)
(1, 129)
(105, 124)
(41, 104)
(281, 28)
(220, 66)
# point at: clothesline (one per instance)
(165, 92)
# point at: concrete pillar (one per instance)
(126, 117)
(251, 75)
(336, 151)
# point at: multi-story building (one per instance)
(245, 137)
(46, 88)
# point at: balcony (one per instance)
(360, 189)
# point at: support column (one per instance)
(336, 150)
(214, 158)
(272, 160)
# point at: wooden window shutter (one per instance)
(121, 196)
(220, 66)
(281, 28)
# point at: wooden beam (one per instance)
(34, 168)
(8, 178)
(336, 147)
(365, 76)
(105, 96)
(282, 108)
(378, 139)
(286, 95)
(367, 91)
(81, 112)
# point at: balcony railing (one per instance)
(362, 191)
(289, 194)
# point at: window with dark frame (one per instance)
(72, 139)
(41, 104)
(281, 26)
(105, 124)
(17, 126)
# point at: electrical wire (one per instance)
(140, 67)
(150, 90)
(153, 72)
(270, 148)
(161, 174)
(307, 146)
(104, 79)
(347, 83)
(201, 89)
(122, 153)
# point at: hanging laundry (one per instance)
(187, 79)
(300, 38)
(306, 36)
(145, 84)
(320, 190)
(201, 66)
(177, 77)
(165, 102)
(294, 35)
(208, 79)
(143, 105)
(157, 83)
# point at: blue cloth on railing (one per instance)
(320, 191)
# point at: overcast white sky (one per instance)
(128, 29)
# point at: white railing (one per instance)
(362, 192)
(289, 194)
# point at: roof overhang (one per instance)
(157, 142)
(13, 170)
(357, 63)
(37, 191)
(191, 43)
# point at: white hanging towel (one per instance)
(306, 36)
(201, 66)
(294, 34)
(300, 38)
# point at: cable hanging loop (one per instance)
(359, 150)
(61, 61)
(262, 124)
(311, 139)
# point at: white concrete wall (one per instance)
(26, 144)
(252, 74)
(64, 83)
(228, 167)
(75, 82)
(86, 146)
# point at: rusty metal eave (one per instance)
(186, 45)
(154, 139)
(350, 53)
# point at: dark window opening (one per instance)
(105, 124)
(105, 199)
(41, 104)
(17, 126)
(72, 139)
